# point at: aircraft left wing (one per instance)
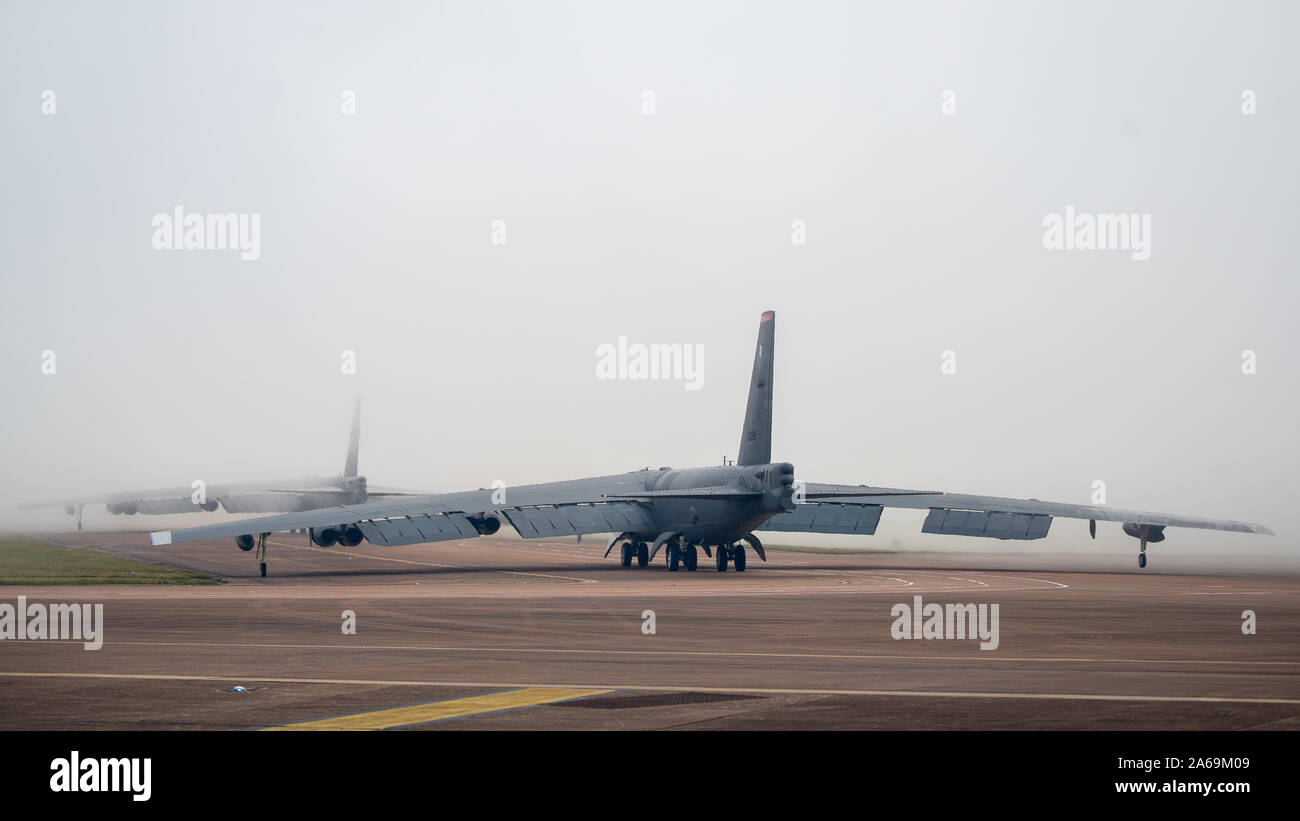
(388, 507)
(535, 511)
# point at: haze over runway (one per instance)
(674, 224)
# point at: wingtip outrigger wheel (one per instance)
(1142, 550)
(261, 552)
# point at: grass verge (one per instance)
(25, 560)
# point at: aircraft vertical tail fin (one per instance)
(756, 436)
(350, 467)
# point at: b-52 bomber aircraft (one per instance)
(274, 496)
(716, 510)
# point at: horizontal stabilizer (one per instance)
(719, 492)
(859, 491)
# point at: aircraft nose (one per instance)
(785, 474)
(780, 484)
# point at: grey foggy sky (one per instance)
(476, 361)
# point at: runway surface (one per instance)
(495, 633)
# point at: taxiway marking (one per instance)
(441, 710)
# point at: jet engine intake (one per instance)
(325, 536)
(350, 536)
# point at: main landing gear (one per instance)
(680, 553)
(630, 548)
(733, 553)
(638, 550)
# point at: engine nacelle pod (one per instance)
(325, 536)
(486, 523)
(350, 536)
(1155, 533)
(244, 543)
(70, 510)
(210, 505)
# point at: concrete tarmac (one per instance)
(497, 633)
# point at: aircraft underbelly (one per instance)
(707, 520)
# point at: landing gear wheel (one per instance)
(739, 559)
(642, 554)
(673, 558)
(692, 558)
(264, 570)
(720, 558)
(1142, 560)
(625, 554)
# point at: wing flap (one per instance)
(437, 527)
(991, 524)
(827, 517)
(163, 506)
(579, 519)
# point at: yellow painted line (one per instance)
(439, 710)
(673, 688)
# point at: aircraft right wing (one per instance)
(835, 508)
